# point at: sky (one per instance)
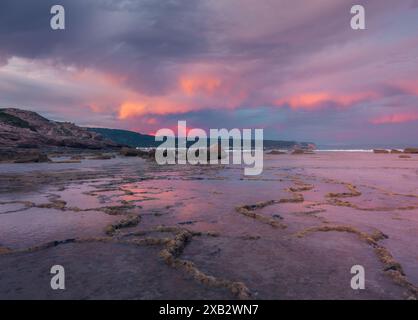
(293, 68)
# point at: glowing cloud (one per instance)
(316, 100)
(396, 118)
(192, 85)
(130, 109)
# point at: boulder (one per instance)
(411, 150)
(380, 151)
(298, 151)
(276, 152)
(101, 157)
(32, 157)
(130, 152)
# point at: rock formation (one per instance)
(380, 151)
(27, 129)
(411, 150)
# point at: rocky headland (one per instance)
(25, 136)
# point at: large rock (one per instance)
(395, 151)
(411, 150)
(298, 151)
(130, 152)
(276, 152)
(32, 157)
(22, 156)
(380, 151)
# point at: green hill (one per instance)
(134, 139)
(125, 137)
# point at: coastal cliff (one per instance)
(26, 136)
(27, 129)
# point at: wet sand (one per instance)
(126, 228)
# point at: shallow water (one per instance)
(262, 246)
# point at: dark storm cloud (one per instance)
(139, 39)
(148, 41)
(292, 64)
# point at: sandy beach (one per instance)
(126, 228)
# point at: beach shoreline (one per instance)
(209, 232)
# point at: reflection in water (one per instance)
(57, 202)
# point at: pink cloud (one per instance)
(316, 100)
(395, 118)
(192, 85)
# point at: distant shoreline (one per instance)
(348, 150)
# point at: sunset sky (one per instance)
(292, 67)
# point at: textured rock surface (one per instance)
(27, 129)
(126, 228)
(411, 150)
